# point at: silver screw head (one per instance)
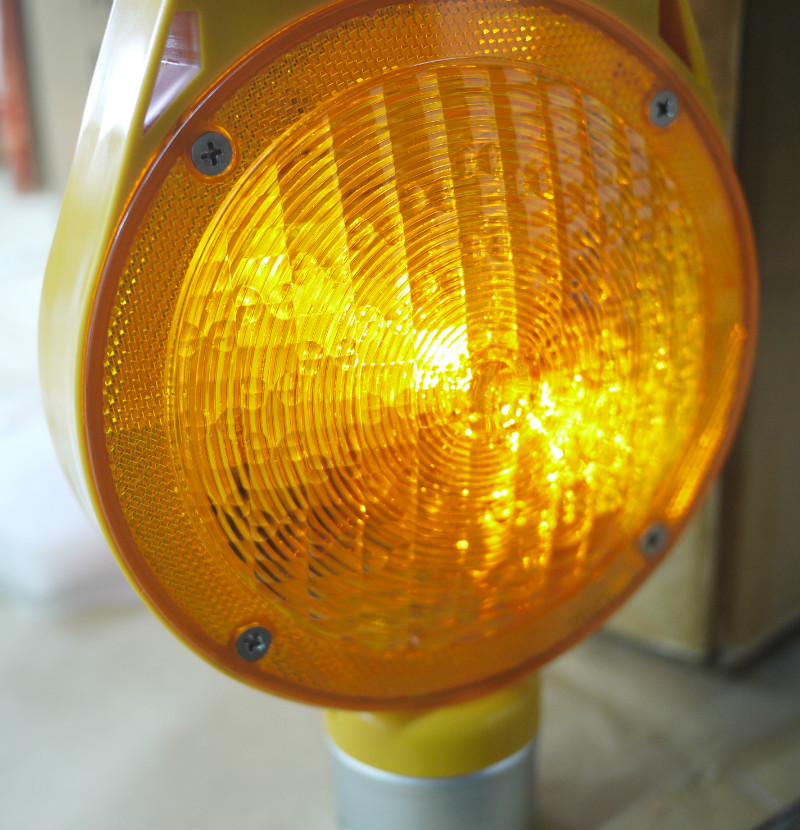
(253, 643)
(664, 108)
(212, 153)
(654, 539)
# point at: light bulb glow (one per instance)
(408, 385)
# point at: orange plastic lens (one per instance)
(411, 385)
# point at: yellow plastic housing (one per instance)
(427, 380)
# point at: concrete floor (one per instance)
(632, 740)
(108, 723)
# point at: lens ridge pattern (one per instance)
(408, 382)
(423, 342)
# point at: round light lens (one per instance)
(409, 383)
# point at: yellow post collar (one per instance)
(453, 740)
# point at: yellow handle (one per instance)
(113, 149)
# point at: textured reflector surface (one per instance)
(408, 385)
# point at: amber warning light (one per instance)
(414, 344)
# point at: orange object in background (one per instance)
(16, 131)
(418, 341)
